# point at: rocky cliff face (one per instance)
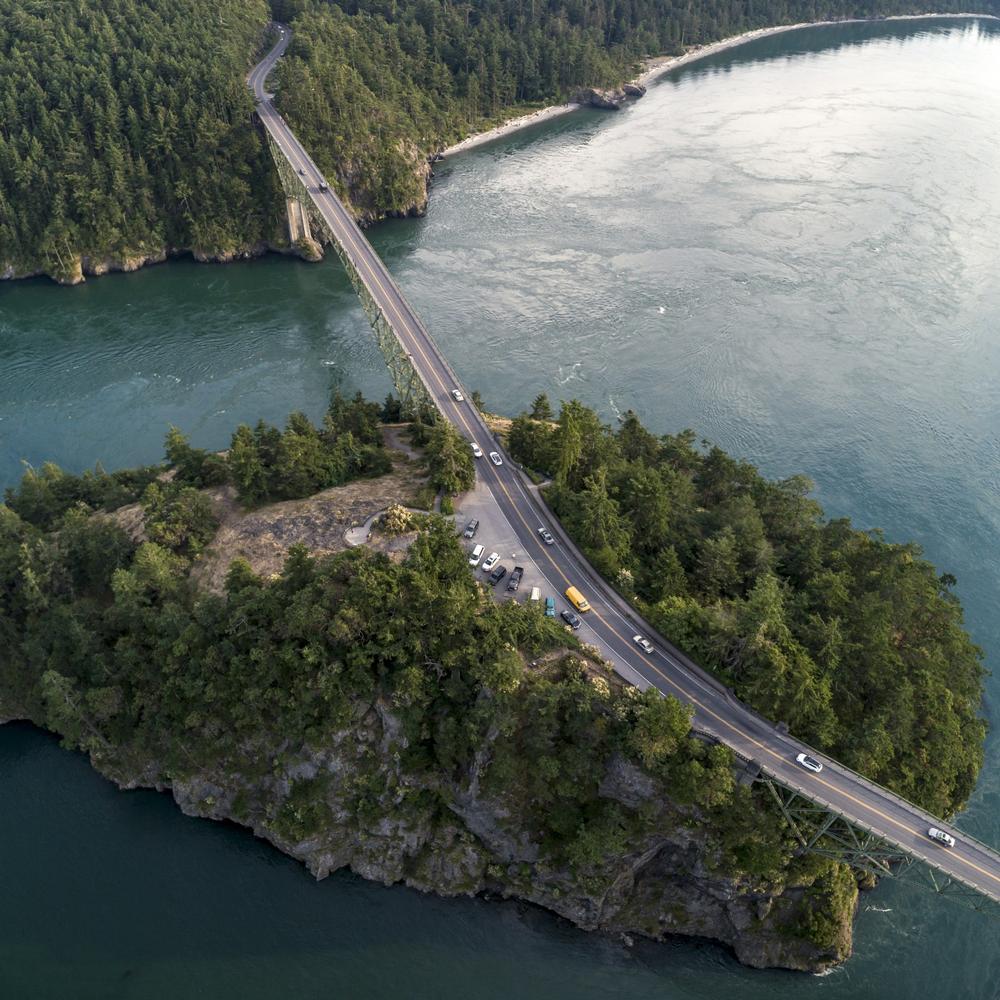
(77, 268)
(610, 99)
(349, 804)
(397, 187)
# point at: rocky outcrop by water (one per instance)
(609, 99)
(452, 837)
(75, 269)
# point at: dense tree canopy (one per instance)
(370, 85)
(126, 126)
(125, 129)
(854, 641)
(110, 644)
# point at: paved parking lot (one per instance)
(496, 534)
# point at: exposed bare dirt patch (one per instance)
(264, 536)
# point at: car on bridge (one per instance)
(476, 450)
(471, 528)
(572, 620)
(323, 186)
(644, 644)
(946, 839)
(457, 395)
(809, 763)
(495, 458)
(546, 536)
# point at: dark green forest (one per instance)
(126, 127)
(856, 642)
(125, 130)
(110, 644)
(373, 86)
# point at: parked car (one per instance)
(572, 620)
(809, 763)
(515, 580)
(457, 394)
(476, 450)
(498, 574)
(490, 561)
(476, 555)
(495, 458)
(471, 528)
(644, 644)
(535, 595)
(941, 837)
(546, 536)
(550, 607)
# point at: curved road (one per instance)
(611, 623)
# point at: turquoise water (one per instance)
(790, 247)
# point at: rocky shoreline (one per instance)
(667, 885)
(613, 98)
(82, 266)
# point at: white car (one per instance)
(809, 763)
(457, 395)
(644, 644)
(941, 837)
(491, 560)
(546, 536)
(495, 458)
(477, 554)
(476, 450)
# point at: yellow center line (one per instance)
(432, 368)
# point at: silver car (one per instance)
(644, 644)
(809, 763)
(941, 837)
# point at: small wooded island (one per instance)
(202, 627)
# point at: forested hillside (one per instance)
(125, 126)
(372, 86)
(857, 643)
(125, 130)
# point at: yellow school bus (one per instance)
(577, 599)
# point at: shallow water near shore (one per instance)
(790, 246)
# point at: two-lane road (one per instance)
(611, 623)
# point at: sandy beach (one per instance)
(659, 65)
